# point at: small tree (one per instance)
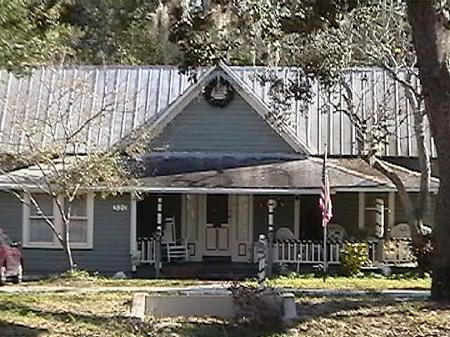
(383, 39)
(64, 162)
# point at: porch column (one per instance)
(133, 232)
(297, 217)
(159, 233)
(271, 204)
(391, 208)
(361, 210)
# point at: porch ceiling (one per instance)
(304, 174)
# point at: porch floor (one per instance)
(206, 270)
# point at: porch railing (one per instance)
(394, 252)
(146, 248)
(398, 251)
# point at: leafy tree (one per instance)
(31, 33)
(118, 31)
(383, 39)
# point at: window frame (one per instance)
(55, 244)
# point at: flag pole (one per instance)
(325, 253)
(325, 231)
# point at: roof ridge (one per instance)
(174, 66)
(356, 173)
(409, 171)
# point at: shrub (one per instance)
(423, 252)
(78, 275)
(353, 257)
(253, 306)
(283, 269)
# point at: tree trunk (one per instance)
(405, 199)
(430, 43)
(67, 248)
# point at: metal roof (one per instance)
(124, 97)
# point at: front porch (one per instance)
(392, 252)
(216, 229)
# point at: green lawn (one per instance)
(104, 315)
(309, 282)
(109, 282)
(359, 283)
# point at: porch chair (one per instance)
(176, 250)
(284, 233)
(400, 231)
(336, 232)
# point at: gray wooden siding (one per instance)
(235, 128)
(111, 249)
(283, 214)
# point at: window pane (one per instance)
(45, 203)
(78, 231)
(217, 209)
(78, 207)
(40, 231)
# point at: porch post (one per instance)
(379, 230)
(133, 233)
(271, 204)
(297, 217)
(391, 209)
(361, 210)
(158, 238)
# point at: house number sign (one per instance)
(120, 207)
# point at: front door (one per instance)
(217, 230)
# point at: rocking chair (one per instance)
(176, 250)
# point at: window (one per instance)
(37, 232)
(78, 224)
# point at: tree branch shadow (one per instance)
(222, 328)
(65, 316)
(8, 329)
(340, 308)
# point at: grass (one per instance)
(368, 282)
(105, 314)
(359, 283)
(109, 282)
(81, 278)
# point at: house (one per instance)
(216, 157)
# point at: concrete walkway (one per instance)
(215, 289)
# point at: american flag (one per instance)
(325, 198)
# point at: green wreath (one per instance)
(218, 103)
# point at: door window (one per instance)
(217, 209)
